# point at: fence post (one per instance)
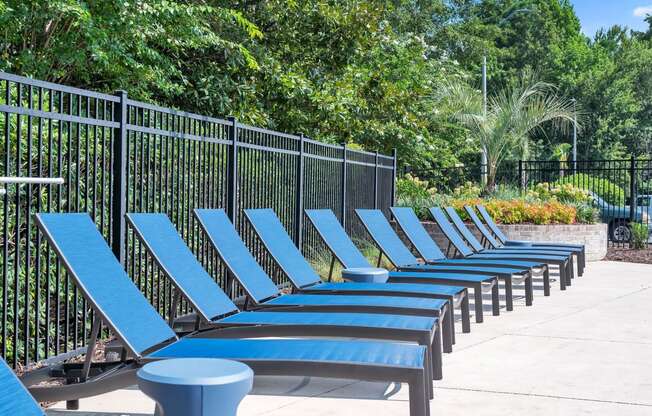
(298, 224)
(394, 154)
(521, 177)
(232, 174)
(343, 208)
(376, 181)
(119, 173)
(632, 188)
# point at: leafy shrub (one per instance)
(545, 204)
(639, 236)
(519, 211)
(604, 188)
(416, 194)
(468, 190)
(506, 192)
(586, 213)
(411, 187)
(565, 193)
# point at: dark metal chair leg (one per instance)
(566, 273)
(546, 281)
(451, 314)
(436, 359)
(447, 336)
(466, 315)
(477, 300)
(529, 291)
(509, 297)
(495, 299)
(562, 279)
(419, 403)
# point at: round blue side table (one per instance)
(195, 386)
(365, 275)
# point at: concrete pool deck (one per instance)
(584, 351)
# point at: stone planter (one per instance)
(593, 236)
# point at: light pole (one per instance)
(574, 101)
(483, 163)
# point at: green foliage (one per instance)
(640, 235)
(565, 193)
(607, 190)
(363, 72)
(512, 115)
(586, 213)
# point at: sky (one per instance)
(595, 14)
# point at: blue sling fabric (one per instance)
(414, 289)
(235, 254)
(103, 281)
(481, 227)
(181, 266)
(464, 230)
(126, 311)
(331, 231)
(477, 246)
(363, 302)
(492, 225)
(354, 352)
(427, 274)
(385, 237)
(450, 232)
(509, 243)
(14, 397)
(417, 234)
(272, 233)
(357, 320)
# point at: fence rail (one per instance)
(117, 155)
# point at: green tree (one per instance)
(512, 115)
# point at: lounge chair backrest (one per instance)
(103, 282)
(16, 400)
(424, 244)
(385, 237)
(235, 255)
(464, 230)
(491, 224)
(334, 236)
(271, 232)
(178, 263)
(449, 231)
(481, 227)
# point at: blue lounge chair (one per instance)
(14, 397)
(120, 306)
(391, 245)
(488, 241)
(343, 249)
(262, 291)
(502, 239)
(303, 278)
(216, 310)
(563, 262)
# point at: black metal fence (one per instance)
(622, 188)
(117, 155)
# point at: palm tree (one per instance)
(561, 153)
(512, 115)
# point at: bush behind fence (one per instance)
(117, 155)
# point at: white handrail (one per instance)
(39, 181)
(28, 180)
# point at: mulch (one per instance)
(629, 255)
